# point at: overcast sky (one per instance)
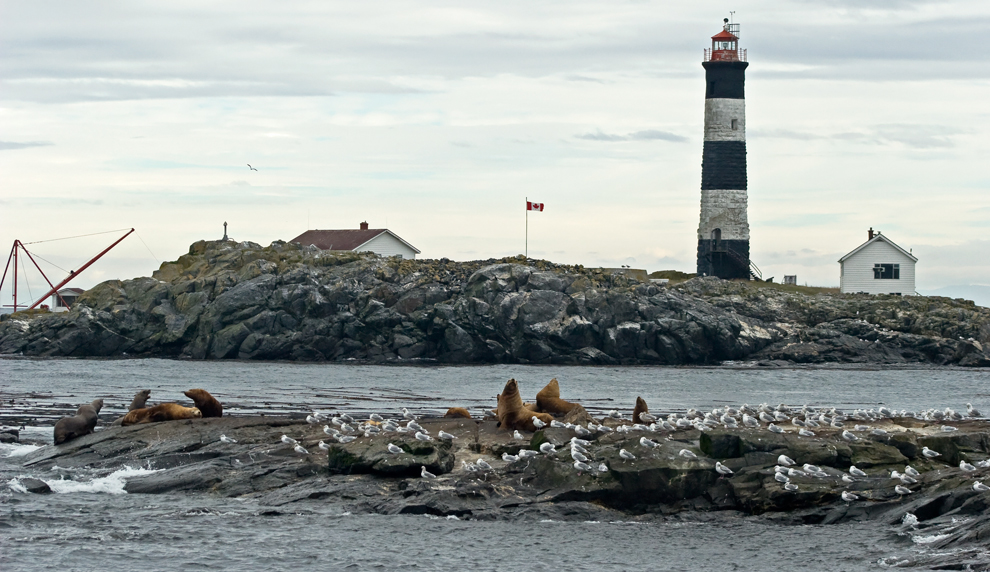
(438, 119)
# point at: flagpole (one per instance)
(527, 228)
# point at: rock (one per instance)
(373, 457)
(10, 436)
(36, 486)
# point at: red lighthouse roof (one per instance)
(724, 35)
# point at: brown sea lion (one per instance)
(140, 399)
(205, 402)
(549, 401)
(162, 412)
(640, 408)
(457, 412)
(82, 423)
(512, 414)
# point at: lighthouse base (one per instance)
(726, 259)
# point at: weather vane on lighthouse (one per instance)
(723, 232)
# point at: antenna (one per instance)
(731, 14)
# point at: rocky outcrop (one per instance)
(227, 300)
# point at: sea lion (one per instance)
(512, 414)
(549, 401)
(140, 399)
(82, 423)
(640, 408)
(206, 403)
(457, 412)
(161, 412)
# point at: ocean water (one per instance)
(89, 523)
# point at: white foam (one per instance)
(16, 486)
(112, 484)
(922, 539)
(452, 517)
(16, 449)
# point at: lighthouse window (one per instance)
(886, 271)
(735, 124)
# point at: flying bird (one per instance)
(250, 167)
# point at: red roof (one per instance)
(337, 239)
(344, 239)
(724, 35)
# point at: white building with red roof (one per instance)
(381, 241)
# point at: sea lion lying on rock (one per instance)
(206, 403)
(162, 412)
(511, 413)
(140, 399)
(549, 401)
(82, 423)
(458, 412)
(640, 408)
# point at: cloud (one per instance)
(914, 136)
(9, 145)
(647, 135)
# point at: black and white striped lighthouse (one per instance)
(723, 234)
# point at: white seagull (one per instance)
(626, 455)
(966, 466)
(226, 439)
(483, 465)
(805, 433)
(344, 439)
(527, 453)
(781, 478)
(420, 436)
(515, 435)
(509, 458)
(848, 496)
(444, 435)
(687, 454)
(980, 487)
(785, 460)
(911, 471)
(582, 466)
(538, 423)
(790, 487)
(722, 469)
(773, 428)
(376, 417)
(426, 474)
(856, 472)
(929, 453)
(902, 490)
(407, 414)
(547, 448)
(288, 440)
(300, 449)
(644, 442)
(394, 449)
(324, 446)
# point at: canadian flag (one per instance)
(530, 206)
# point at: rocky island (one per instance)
(239, 300)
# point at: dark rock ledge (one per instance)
(228, 300)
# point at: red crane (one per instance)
(18, 246)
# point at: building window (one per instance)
(735, 124)
(887, 271)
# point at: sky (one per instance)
(438, 119)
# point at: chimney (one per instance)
(364, 226)
(870, 233)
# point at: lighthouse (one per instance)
(723, 233)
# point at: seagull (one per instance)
(781, 478)
(344, 439)
(626, 455)
(848, 496)
(556, 424)
(911, 471)
(376, 417)
(811, 468)
(444, 435)
(773, 428)
(527, 453)
(948, 428)
(614, 414)
(582, 466)
(902, 490)
(644, 442)
(415, 426)
(312, 419)
(805, 433)
(796, 473)
(602, 467)
(509, 458)
(288, 440)
(785, 460)
(346, 418)
(848, 479)
(426, 474)
(878, 433)
(722, 469)
(581, 442)
(515, 435)
(324, 446)
(300, 449)
(856, 472)
(647, 418)
(483, 465)
(346, 428)
(394, 449)
(687, 454)
(966, 466)
(973, 412)
(407, 414)
(469, 467)
(980, 487)
(581, 431)
(538, 423)
(329, 431)
(862, 427)
(547, 448)
(226, 439)
(790, 487)
(929, 453)
(849, 436)
(250, 167)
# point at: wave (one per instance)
(16, 449)
(112, 484)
